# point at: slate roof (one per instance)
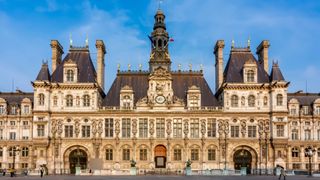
(44, 74)
(15, 97)
(305, 99)
(86, 70)
(139, 83)
(276, 74)
(233, 72)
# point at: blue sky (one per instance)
(26, 28)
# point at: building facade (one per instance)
(161, 117)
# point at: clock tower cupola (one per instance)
(159, 56)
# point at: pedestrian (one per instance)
(4, 172)
(282, 173)
(41, 172)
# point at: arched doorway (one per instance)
(242, 158)
(78, 158)
(160, 156)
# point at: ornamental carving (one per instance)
(243, 127)
(94, 127)
(203, 127)
(77, 127)
(134, 127)
(59, 127)
(100, 127)
(117, 129)
(151, 130)
(186, 128)
(54, 127)
(168, 127)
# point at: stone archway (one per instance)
(76, 156)
(160, 156)
(244, 156)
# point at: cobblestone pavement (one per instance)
(149, 177)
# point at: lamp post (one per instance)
(309, 153)
(14, 150)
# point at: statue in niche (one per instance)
(159, 86)
(243, 101)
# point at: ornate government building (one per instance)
(161, 117)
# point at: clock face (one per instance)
(160, 99)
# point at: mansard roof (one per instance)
(305, 99)
(86, 70)
(233, 72)
(44, 74)
(16, 97)
(276, 74)
(181, 81)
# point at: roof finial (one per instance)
(118, 67)
(70, 39)
(179, 67)
(249, 42)
(190, 66)
(87, 40)
(140, 67)
(232, 43)
(129, 67)
(201, 67)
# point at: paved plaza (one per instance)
(62, 177)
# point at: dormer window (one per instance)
(317, 110)
(69, 100)
(13, 110)
(41, 99)
(305, 110)
(194, 97)
(126, 102)
(126, 97)
(250, 76)
(2, 109)
(279, 100)
(70, 75)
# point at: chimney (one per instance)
(101, 51)
(218, 51)
(262, 52)
(57, 51)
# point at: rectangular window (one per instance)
(317, 112)
(12, 135)
(194, 154)
(319, 136)
(177, 128)
(126, 154)
(1, 133)
(25, 123)
(85, 131)
(109, 154)
(143, 154)
(305, 110)
(234, 131)
(294, 135)
(13, 110)
(68, 131)
(24, 165)
(109, 127)
(10, 165)
(177, 154)
(1, 123)
(211, 154)
(194, 128)
(12, 123)
(2, 110)
(307, 135)
(295, 166)
(143, 127)
(126, 127)
(40, 130)
(211, 128)
(26, 109)
(293, 111)
(160, 128)
(280, 130)
(307, 123)
(252, 131)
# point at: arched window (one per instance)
(160, 43)
(25, 152)
(41, 99)
(295, 152)
(234, 101)
(279, 100)
(250, 76)
(70, 75)
(69, 101)
(86, 100)
(251, 101)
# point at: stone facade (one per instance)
(159, 118)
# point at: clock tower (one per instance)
(159, 56)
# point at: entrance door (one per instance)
(78, 158)
(242, 158)
(160, 156)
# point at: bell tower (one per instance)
(159, 38)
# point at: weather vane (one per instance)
(159, 3)
(70, 39)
